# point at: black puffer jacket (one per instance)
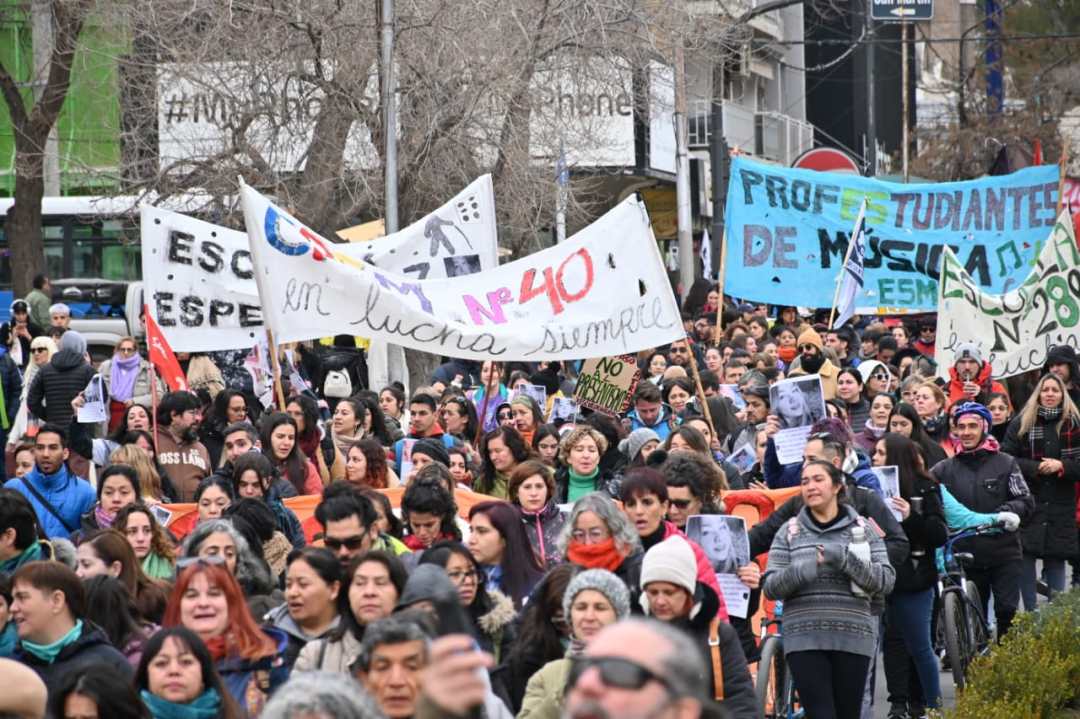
(987, 481)
(1050, 530)
(56, 384)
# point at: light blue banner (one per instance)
(788, 231)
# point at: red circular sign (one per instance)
(827, 159)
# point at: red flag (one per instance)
(161, 355)
(1036, 152)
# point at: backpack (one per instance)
(337, 384)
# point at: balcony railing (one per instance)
(771, 135)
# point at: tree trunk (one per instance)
(23, 226)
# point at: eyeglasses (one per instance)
(593, 536)
(616, 672)
(681, 503)
(504, 415)
(351, 543)
(126, 350)
(213, 560)
(35, 350)
(462, 577)
(881, 376)
(804, 348)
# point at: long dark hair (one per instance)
(109, 605)
(398, 577)
(188, 640)
(310, 409)
(295, 465)
(217, 418)
(918, 432)
(521, 568)
(513, 441)
(110, 690)
(906, 455)
(122, 429)
(538, 635)
(378, 420)
(469, 410)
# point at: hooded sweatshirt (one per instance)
(57, 382)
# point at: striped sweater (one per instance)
(820, 611)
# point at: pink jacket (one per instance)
(705, 573)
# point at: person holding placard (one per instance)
(907, 640)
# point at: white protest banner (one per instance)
(201, 288)
(602, 292)
(1013, 331)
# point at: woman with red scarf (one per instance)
(597, 535)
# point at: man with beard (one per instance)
(812, 360)
(180, 453)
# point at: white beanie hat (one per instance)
(672, 560)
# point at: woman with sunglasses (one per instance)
(691, 481)
(876, 378)
(598, 535)
(127, 378)
(593, 600)
(491, 612)
(372, 583)
(504, 416)
(176, 679)
(312, 584)
(826, 564)
(532, 490)
(41, 351)
(499, 544)
(152, 546)
(249, 658)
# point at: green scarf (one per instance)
(48, 652)
(205, 706)
(30, 554)
(580, 485)
(156, 566)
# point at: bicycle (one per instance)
(775, 689)
(961, 624)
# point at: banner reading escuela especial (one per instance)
(200, 284)
(788, 231)
(604, 291)
(1014, 331)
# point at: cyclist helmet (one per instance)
(962, 408)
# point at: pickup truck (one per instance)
(103, 311)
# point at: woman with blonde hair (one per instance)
(930, 403)
(580, 472)
(1045, 439)
(41, 351)
(150, 487)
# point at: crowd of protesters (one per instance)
(572, 574)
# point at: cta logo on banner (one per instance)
(1014, 331)
(789, 230)
(602, 292)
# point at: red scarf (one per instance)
(787, 354)
(595, 556)
(218, 648)
(413, 542)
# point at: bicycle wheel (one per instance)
(957, 636)
(980, 633)
(771, 676)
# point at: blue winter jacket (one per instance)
(70, 496)
(663, 425)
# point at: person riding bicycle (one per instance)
(984, 479)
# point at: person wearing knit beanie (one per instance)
(432, 448)
(813, 359)
(604, 582)
(636, 441)
(671, 561)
